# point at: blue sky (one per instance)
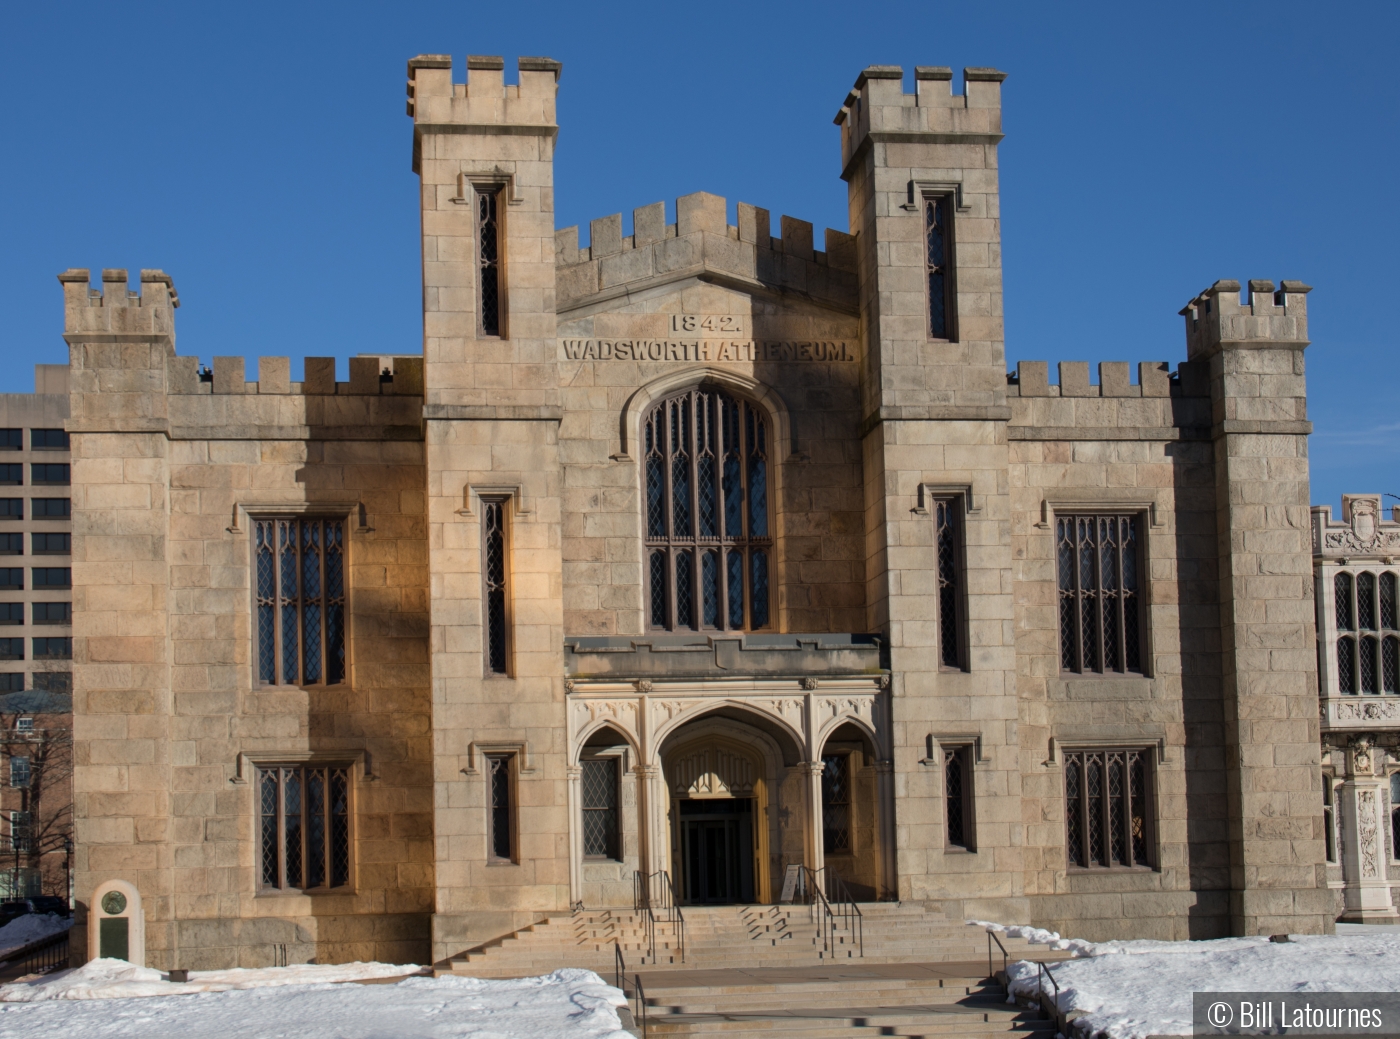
(259, 153)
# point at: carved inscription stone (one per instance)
(692, 350)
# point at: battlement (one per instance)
(372, 376)
(485, 99)
(114, 310)
(1155, 379)
(702, 240)
(1363, 533)
(1224, 316)
(877, 104)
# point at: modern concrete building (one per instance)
(698, 551)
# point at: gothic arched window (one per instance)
(708, 542)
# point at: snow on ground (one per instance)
(568, 1004)
(1131, 990)
(30, 928)
(116, 979)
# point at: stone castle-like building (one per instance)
(699, 549)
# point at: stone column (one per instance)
(815, 851)
(651, 790)
(1364, 865)
(574, 774)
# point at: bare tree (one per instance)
(36, 756)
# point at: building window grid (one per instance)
(938, 243)
(1368, 639)
(957, 797)
(1108, 816)
(494, 576)
(601, 839)
(304, 815)
(836, 804)
(949, 583)
(707, 525)
(500, 816)
(488, 255)
(300, 572)
(1100, 605)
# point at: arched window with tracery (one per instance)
(708, 536)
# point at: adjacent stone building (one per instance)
(700, 549)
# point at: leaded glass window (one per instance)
(488, 257)
(949, 583)
(600, 817)
(957, 796)
(836, 803)
(1108, 818)
(493, 575)
(938, 243)
(500, 818)
(299, 567)
(1368, 639)
(304, 826)
(1100, 606)
(705, 473)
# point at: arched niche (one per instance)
(117, 923)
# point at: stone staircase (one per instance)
(727, 937)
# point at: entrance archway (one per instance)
(735, 809)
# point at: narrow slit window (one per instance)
(494, 573)
(938, 242)
(299, 575)
(304, 827)
(836, 804)
(501, 809)
(957, 797)
(1395, 815)
(1100, 604)
(949, 583)
(1329, 818)
(488, 255)
(705, 475)
(600, 817)
(1108, 817)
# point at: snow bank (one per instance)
(30, 928)
(568, 1004)
(117, 979)
(1131, 990)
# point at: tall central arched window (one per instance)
(709, 549)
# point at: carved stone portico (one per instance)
(757, 737)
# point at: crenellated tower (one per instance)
(921, 171)
(484, 152)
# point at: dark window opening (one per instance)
(59, 508)
(938, 241)
(304, 831)
(11, 613)
(51, 544)
(11, 544)
(52, 473)
(12, 649)
(836, 803)
(12, 682)
(1395, 815)
(12, 578)
(299, 567)
(48, 439)
(52, 576)
(600, 815)
(11, 439)
(53, 612)
(1100, 609)
(706, 501)
(488, 245)
(1329, 818)
(949, 584)
(1368, 641)
(12, 508)
(12, 473)
(52, 649)
(1107, 812)
(500, 818)
(54, 681)
(493, 573)
(957, 795)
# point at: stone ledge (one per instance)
(494, 412)
(1107, 433)
(722, 654)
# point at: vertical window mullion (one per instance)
(1077, 550)
(1119, 551)
(1085, 839)
(282, 829)
(322, 609)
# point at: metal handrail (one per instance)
(664, 908)
(38, 957)
(991, 936)
(1043, 972)
(638, 993)
(846, 913)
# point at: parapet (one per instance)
(702, 242)
(485, 103)
(1362, 534)
(877, 104)
(1155, 379)
(114, 310)
(1222, 316)
(370, 376)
